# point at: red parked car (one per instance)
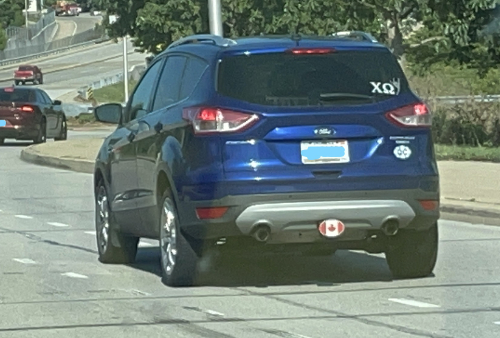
(29, 114)
(28, 73)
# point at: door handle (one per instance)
(158, 127)
(131, 136)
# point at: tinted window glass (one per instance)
(141, 99)
(16, 95)
(192, 75)
(46, 98)
(280, 79)
(170, 82)
(25, 68)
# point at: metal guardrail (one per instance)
(52, 52)
(46, 20)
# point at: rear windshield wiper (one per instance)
(341, 96)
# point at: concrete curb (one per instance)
(78, 165)
(75, 66)
(86, 166)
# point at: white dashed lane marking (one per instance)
(24, 260)
(215, 313)
(496, 323)
(23, 217)
(56, 224)
(411, 302)
(74, 275)
(90, 233)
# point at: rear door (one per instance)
(323, 120)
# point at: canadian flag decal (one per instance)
(331, 228)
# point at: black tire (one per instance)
(16, 83)
(41, 80)
(413, 254)
(2, 141)
(63, 136)
(184, 270)
(42, 133)
(113, 247)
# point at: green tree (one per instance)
(3, 39)
(11, 13)
(466, 33)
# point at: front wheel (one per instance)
(413, 254)
(178, 255)
(113, 247)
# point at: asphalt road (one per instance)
(87, 67)
(51, 284)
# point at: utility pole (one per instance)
(26, 17)
(215, 17)
(125, 66)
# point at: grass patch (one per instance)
(461, 153)
(114, 92)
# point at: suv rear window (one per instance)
(283, 79)
(15, 95)
(25, 68)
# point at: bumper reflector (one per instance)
(211, 213)
(429, 204)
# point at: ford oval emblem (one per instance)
(324, 131)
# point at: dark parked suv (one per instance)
(311, 144)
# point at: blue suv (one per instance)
(306, 143)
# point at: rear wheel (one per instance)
(17, 83)
(2, 141)
(113, 247)
(178, 254)
(413, 254)
(42, 133)
(63, 135)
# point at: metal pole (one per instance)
(215, 17)
(26, 17)
(125, 67)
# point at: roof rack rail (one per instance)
(356, 34)
(215, 39)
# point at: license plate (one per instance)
(3, 123)
(314, 152)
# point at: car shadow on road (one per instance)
(279, 269)
(16, 144)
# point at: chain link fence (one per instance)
(44, 43)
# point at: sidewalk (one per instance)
(470, 191)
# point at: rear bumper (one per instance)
(24, 78)
(294, 218)
(19, 132)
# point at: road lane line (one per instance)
(76, 27)
(56, 224)
(23, 217)
(24, 260)
(411, 302)
(90, 233)
(215, 313)
(74, 275)
(496, 323)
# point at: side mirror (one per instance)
(109, 113)
(57, 103)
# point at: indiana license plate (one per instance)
(314, 152)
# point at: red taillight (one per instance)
(27, 109)
(211, 213)
(415, 115)
(429, 204)
(218, 120)
(311, 50)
